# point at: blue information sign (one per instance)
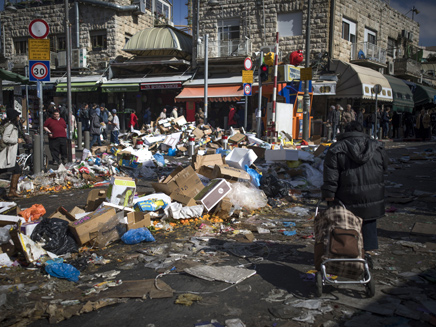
(39, 70)
(247, 89)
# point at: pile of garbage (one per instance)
(142, 153)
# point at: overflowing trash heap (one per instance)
(220, 185)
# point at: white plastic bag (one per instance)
(177, 211)
(247, 197)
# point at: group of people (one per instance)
(383, 120)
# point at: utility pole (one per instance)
(69, 102)
(306, 96)
(259, 102)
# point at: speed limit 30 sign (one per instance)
(39, 70)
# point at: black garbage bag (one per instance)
(56, 236)
(274, 187)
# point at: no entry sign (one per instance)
(38, 29)
(39, 70)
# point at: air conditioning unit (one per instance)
(53, 58)
(62, 59)
(78, 58)
(391, 67)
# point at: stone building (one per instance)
(365, 33)
(99, 31)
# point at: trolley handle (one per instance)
(321, 200)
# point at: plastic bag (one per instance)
(273, 187)
(246, 197)
(4, 234)
(160, 161)
(138, 235)
(178, 211)
(150, 205)
(63, 270)
(55, 235)
(255, 176)
(33, 213)
(313, 176)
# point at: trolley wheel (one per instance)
(318, 281)
(370, 288)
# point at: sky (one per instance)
(426, 17)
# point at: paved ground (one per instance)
(404, 271)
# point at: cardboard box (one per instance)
(76, 211)
(98, 149)
(109, 231)
(172, 140)
(63, 214)
(138, 220)
(184, 181)
(27, 228)
(281, 155)
(238, 158)
(198, 133)
(259, 151)
(121, 191)
(180, 121)
(207, 160)
(206, 171)
(183, 199)
(213, 193)
(95, 198)
(230, 173)
(85, 229)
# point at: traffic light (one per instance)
(263, 72)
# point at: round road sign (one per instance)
(39, 70)
(247, 89)
(248, 64)
(38, 29)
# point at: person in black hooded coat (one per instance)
(354, 174)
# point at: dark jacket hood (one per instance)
(359, 147)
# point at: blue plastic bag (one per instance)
(138, 235)
(63, 270)
(159, 159)
(255, 176)
(222, 152)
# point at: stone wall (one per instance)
(118, 25)
(374, 14)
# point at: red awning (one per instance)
(215, 93)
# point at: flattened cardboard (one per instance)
(237, 138)
(198, 133)
(9, 208)
(183, 181)
(138, 219)
(95, 198)
(230, 173)
(85, 228)
(206, 171)
(213, 193)
(319, 151)
(180, 121)
(207, 160)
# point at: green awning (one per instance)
(78, 87)
(8, 88)
(401, 94)
(424, 95)
(13, 77)
(121, 87)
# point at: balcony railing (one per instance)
(368, 51)
(230, 48)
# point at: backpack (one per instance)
(3, 145)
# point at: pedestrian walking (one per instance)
(385, 121)
(56, 127)
(133, 121)
(199, 117)
(354, 170)
(335, 120)
(9, 141)
(84, 117)
(95, 128)
(163, 114)
(147, 116)
(423, 122)
(115, 127)
(233, 117)
(396, 123)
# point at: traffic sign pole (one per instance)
(259, 102)
(41, 124)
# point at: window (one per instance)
(98, 40)
(148, 5)
(20, 46)
(228, 36)
(57, 43)
(370, 36)
(348, 30)
(290, 24)
(391, 47)
(163, 9)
